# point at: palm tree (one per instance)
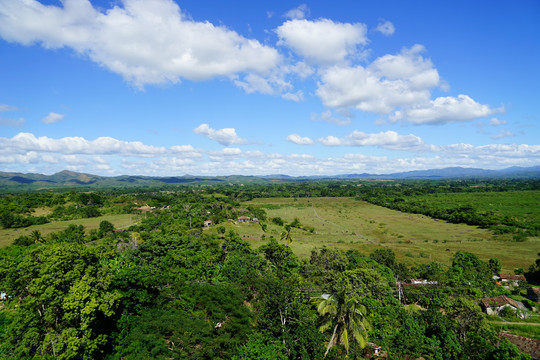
(348, 317)
(36, 236)
(286, 234)
(187, 209)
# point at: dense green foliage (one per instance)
(165, 289)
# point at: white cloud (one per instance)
(173, 164)
(301, 69)
(390, 81)
(331, 141)
(50, 158)
(299, 12)
(445, 110)
(226, 136)
(30, 157)
(297, 96)
(52, 118)
(496, 122)
(322, 41)
(146, 42)
(327, 116)
(398, 86)
(255, 83)
(386, 28)
(5, 107)
(503, 134)
(387, 140)
(186, 151)
(12, 122)
(409, 66)
(299, 140)
(25, 142)
(74, 160)
(274, 82)
(28, 153)
(225, 154)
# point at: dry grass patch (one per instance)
(346, 223)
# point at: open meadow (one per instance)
(119, 221)
(346, 223)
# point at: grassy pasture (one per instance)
(521, 204)
(118, 220)
(347, 223)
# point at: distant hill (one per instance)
(70, 179)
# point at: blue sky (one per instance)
(168, 87)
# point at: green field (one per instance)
(527, 330)
(118, 220)
(346, 223)
(522, 205)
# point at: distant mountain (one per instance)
(453, 173)
(70, 179)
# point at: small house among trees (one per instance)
(208, 222)
(494, 305)
(511, 280)
(244, 219)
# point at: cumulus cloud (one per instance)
(52, 118)
(388, 140)
(331, 141)
(255, 83)
(41, 154)
(301, 69)
(445, 110)
(25, 142)
(398, 86)
(225, 136)
(322, 41)
(299, 12)
(390, 81)
(299, 140)
(146, 42)
(386, 28)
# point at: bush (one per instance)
(23, 241)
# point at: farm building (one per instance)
(511, 280)
(208, 222)
(244, 219)
(494, 305)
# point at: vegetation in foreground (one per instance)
(165, 288)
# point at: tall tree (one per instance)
(348, 317)
(286, 234)
(36, 236)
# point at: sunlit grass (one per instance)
(346, 223)
(118, 220)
